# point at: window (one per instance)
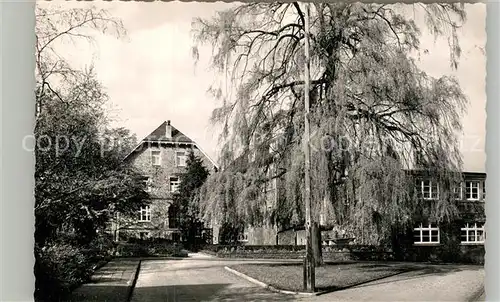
(472, 190)
(429, 189)
(426, 234)
(180, 158)
(145, 214)
(147, 184)
(174, 184)
(472, 233)
(457, 191)
(156, 158)
(243, 237)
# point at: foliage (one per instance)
(371, 109)
(148, 248)
(78, 179)
(58, 268)
(185, 202)
(120, 140)
(79, 182)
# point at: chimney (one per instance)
(168, 130)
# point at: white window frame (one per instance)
(145, 214)
(153, 157)
(469, 228)
(470, 198)
(180, 161)
(427, 228)
(432, 185)
(176, 182)
(460, 191)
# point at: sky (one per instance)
(151, 77)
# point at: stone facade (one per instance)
(161, 159)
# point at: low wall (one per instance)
(472, 254)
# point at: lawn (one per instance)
(328, 277)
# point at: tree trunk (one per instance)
(395, 244)
(316, 245)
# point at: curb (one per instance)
(132, 282)
(267, 286)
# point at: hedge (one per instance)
(61, 267)
(440, 253)
(150, 249)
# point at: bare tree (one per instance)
(56, 27)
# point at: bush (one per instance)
(63, 265)
(150, 248)
(59, 268)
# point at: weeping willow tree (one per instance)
(372, 107)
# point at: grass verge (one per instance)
(329, 277)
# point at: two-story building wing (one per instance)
(468, 228)
(161, 157)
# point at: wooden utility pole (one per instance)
(309, 265)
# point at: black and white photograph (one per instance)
(259, 151)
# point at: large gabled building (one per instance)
(161, 158)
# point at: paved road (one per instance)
(203, 279)
(196, 279)
(459, 283)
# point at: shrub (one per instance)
(59, 268)
(150, 248)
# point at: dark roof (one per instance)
(465, 174)
(474, 174)
(159, 134)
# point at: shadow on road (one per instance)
(204, 292)
(95, 293)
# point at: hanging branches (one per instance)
(369, 100)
